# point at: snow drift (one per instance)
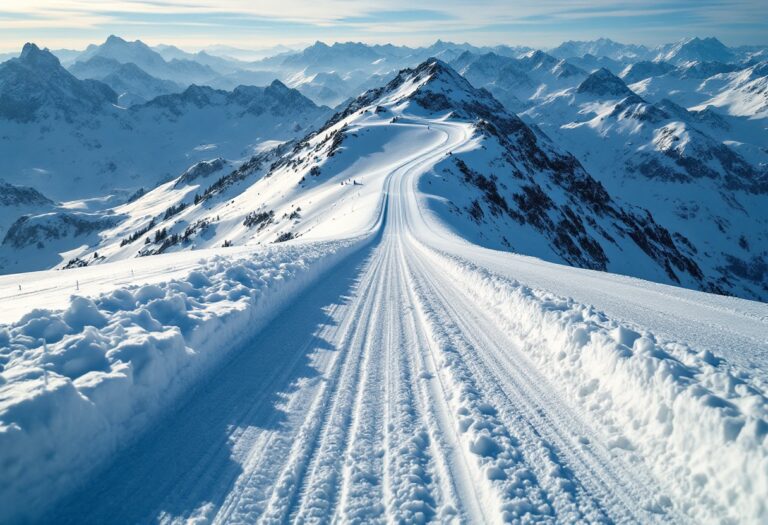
(77, 384)
(698, 421)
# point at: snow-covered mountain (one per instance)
(683, 136)
(132, 84)
(181, 71)
(34, 86)
(221, 65)
(664, 158)
(590, 63)
(422, 308)
(695, 50)
(324, 88)
(644, 69)
(68, 138)
(744, 94)
(333, 73)
(509, 188)
(518, 82)
(602, 47)
(47, 114)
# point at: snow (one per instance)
(101, 370)
(698, 420)
(366, 352)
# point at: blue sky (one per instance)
(253, 24)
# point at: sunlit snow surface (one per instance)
(381, 367)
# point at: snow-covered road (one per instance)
(414, 382)
(344, 408)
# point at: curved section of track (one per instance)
(382, 395)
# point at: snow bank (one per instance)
(79, 383)
(698, 422)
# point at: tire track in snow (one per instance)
(410, 462)
(362, 492)
(427, 478)
(421, 410)
(327, 410)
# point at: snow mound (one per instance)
(77, 384)
(699, 422)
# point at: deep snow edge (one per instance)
(686, 413)
(113, 364)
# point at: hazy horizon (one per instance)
(197, 24)
(279, 47)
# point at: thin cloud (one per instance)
(264, 22)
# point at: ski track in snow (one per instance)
(384, 393)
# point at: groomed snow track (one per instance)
(384, 394)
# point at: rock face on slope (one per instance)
(676, 164)
(604, 83)
(40, 229)
(35, 86)
(11, 195)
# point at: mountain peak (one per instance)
(34, 56)
(435, 87)
(434, 71)
(435, 65)
(697, 49)
(114, 39)
(602, 82)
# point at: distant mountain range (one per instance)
(58, 130)
(649, 162)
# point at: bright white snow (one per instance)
(379, 368)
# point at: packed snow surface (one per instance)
(399, 373)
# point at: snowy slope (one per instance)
(47, 114)
(745, 93)
(417, 377)
(115, 362)
(663, 158)
(518, 82)
(695, 50)
(278, 194)
(513, 189)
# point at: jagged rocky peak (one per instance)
(36, 81)
(31, 55)
(604, 83)
(437, 87)
(13, 195)
(435, 70)
(201, 169)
